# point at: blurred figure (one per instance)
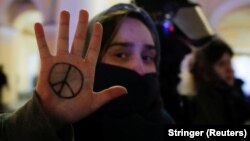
(217, 97)
(3, 83)
(181, 25)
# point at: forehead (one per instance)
(132, 29)
(225, 57)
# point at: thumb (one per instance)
(107, 95)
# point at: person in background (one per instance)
(64, 91)
(175, 21)
(216, 97)
(129, 56)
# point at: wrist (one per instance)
(56, 122)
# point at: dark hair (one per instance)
(205, 58)
(214, 51)
(111, 21)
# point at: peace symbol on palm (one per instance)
(60, 83)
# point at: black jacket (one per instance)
(219, 103)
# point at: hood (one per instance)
(126, 10)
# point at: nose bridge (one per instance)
(229, 68)
(138, 65)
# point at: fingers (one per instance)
(107, 95)
(79, 39)
(63, 36)
(41, 41)
(94, 46)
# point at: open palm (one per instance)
(65, 84)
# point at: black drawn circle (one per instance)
(65, 71)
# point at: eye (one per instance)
(149, 54)
(121, 55)
(221, 63)
(148, 59)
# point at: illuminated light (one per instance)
(167, 24)
(168, 27)
(171, 29)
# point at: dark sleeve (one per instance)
(30, 123)
(209, 110)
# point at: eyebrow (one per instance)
(149, 47)
(122, 44)
(127, 45)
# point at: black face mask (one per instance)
(136, 115)
(143, 90)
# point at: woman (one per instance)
(218, 99)
(64, 91)
(129, 57)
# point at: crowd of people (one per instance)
(109, 86)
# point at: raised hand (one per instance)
(65, 84)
